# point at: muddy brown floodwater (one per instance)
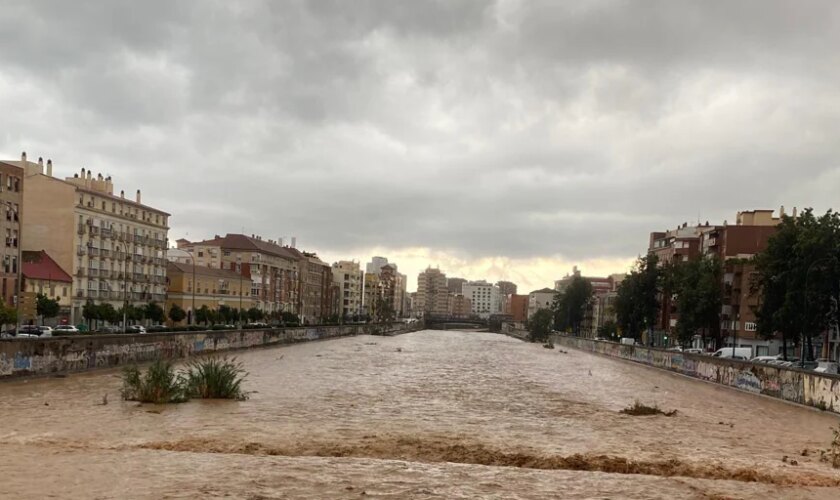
(429, 414)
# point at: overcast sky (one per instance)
(507, 139)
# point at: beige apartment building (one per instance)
(272, 270)
(113, 247)
(348, 276)
(432, 293)
(211, 287)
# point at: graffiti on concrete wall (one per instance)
(811, 389)
(67, 354)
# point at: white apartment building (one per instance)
(349, 277)
(484, 298)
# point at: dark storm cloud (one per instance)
(512, 128)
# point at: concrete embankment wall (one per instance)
(24, 357)
(790, 384)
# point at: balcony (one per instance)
(80, 229)
(106, 253)
(138, 277)
(105, 273)
(92, 294)
(93, 251)
(106, 233)
(93, 273)
(81, 251)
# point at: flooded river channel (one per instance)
(429, 414)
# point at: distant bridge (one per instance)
(456, 323)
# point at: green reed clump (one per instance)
(206, 378)
(215, 378)
(160, 384)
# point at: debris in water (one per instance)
(156, 411)
(105, 399)
(805, 452)
(399, 349)
(638, 409)
(794, 462)
(46, 404)
(785, 459)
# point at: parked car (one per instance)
(28, 331)
(109, 329)
(741, 353)
(693, 350)
(46, 331)
(156, 328)
(65, 330)
(764, 359)
(135, 329)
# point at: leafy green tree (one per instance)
(697, 287)
(637, 301)
(289, 318)
(539, 326)
(254, 314)
(383, 311)
(177, 313)
(46, 307)
(226, 314)
(8, 315)
(798, 278)
(154, 312)
(609, 330)
(108, 313)
(90, 312)
(570, 307)
(202, 315)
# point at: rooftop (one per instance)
(40, 266)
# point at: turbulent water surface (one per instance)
(429, 414)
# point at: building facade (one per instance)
(349, 277)
(114, 247)
(540, 299)
(432, 294)
(460, 306)
(518, 308)
(205, 286)
(484, 298)
(272, 271)
(42, 275)
(11, 199)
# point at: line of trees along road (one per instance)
(796, 282)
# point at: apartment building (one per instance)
(455, 285)
(432, 294)
(518, 307)
(205, 286)
(43, 275)
(349, 277)
(540, 299)
(315, 289)
(114, 247)
(459, 306)
(484, 298)
(735, 245)
(272, 270)
(11, 200)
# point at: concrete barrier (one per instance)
(26, 357)
(790, 384)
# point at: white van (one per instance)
(628, 341)
(742, 353)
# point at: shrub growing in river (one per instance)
(207, 378)
(160, 384)
(215, 378)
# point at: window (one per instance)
(750, 326)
